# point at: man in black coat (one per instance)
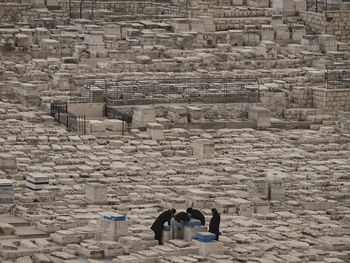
(182, 216)
(214, 225)
(158, 224)
(196, 214)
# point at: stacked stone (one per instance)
(331, 100)
(303, 96)
(37, 181)
(329, 22)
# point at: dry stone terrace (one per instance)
(112, 112)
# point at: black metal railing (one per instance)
(58, 107)
(338, 75)
(89, 94)
(320, 6)
(113, 113)
(74, 123)
(177, 90)
(86, 8)
(183, 90)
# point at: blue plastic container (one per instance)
(205, 237)
(193, 223)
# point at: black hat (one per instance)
(189, 210)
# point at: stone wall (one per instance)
(210, 111)
(314, 22)
(330, 22)
(12, 12)
(331, 99)
(320, 98)
(303, 97)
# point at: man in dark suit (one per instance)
(158, 225)
(196, 214)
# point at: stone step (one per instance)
(15, 221)
(25, 232)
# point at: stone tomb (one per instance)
(111, 226)
(37, 181)
(27, 94)
(96, 193)
(176, 229)
(204, 149)
(155, 130)
(191, 228)
(96, 126)
(243, 207)
(22, 41)
(267, 33)
(225, 206)
(275, 186)
(261, 116)
(115, 125)
(258, 187)
(177, 114)
(207, 244)
(64, 237)
(143, 115)
(195, 115)
(260, 206)
(285, 6)
(7, 161)
(6, 191)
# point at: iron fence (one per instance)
(183, 90)
(320, 6)
(86, 8)
(89, 94)
(113, 113)
(74, 123)
(338, 75)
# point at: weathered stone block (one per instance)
(155, 130)
(261, 116)
(96, 193)
(143, 115)
(207, 248)
(203, 149)
(6, 191)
